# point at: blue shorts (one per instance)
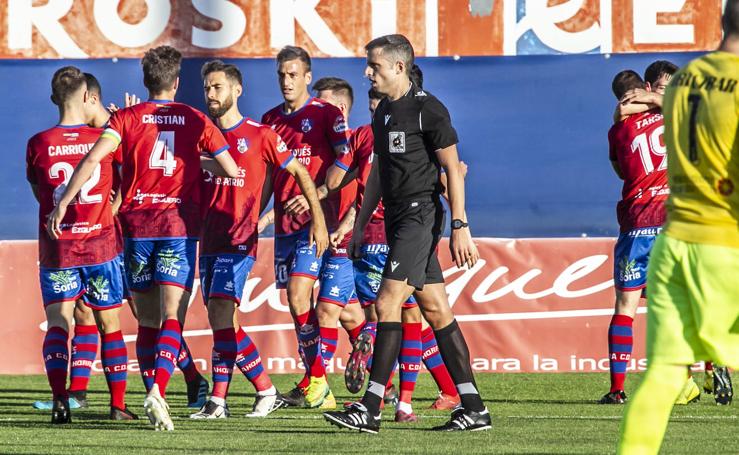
(337, 282)
(122, 267)
(100, 286)
(153, 262)
(294, 257)
(223, 276)
(630, 258)
(368, 274)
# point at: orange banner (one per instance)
(257, 28)
(530, 305)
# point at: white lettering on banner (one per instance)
(124, 34)
(384, 17)
(282, 17)
(23, 16)
(648, 31)
(231, 17)
(542, 20)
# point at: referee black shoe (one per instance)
(464, 420)
(60, 411)
(723, 391)
(355, 417)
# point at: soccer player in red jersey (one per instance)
(229, 237)
(80, 260)
(315, 132)
(160, 156)
(638, 156)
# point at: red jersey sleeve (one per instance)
(30, 161)
(211, 139)
(275, 150)
(338, 132)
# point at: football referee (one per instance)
(414, 142)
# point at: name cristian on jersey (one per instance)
(163, 119)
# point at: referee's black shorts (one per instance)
(413, 230)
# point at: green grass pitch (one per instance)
(532, 413)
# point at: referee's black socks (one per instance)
(456, 355)
(387, 349)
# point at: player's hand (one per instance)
(463, 249)
(132, 100)
(637, 95)
(297, 205)
(336, 237)
(318, 236)
(354, 250)
(54, 221)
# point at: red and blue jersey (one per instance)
(88, 233)
(232, 204)
(360, 157)
(637, 144)
(311, 133)
(160, 146)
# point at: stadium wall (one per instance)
(530, 305)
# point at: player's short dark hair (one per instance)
(730, 19)
(288, 53)
(65, 82)
(374, 94)
(657, 69)
(336, 85)
(624, 81)
(397, 48)
(416, 76)
(215, 66)
(93, 85)
(161, 68)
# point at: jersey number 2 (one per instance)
(65, 170)
(162, 155)
(647, 146)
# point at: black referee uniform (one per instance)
(408, 132)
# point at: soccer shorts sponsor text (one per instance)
(100, 286)
(294, 257)
(155, 261)
(631, 258)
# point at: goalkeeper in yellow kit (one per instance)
(693, 295)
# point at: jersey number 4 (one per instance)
(162, 155)
(65, 170)
(646, 146)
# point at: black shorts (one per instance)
(413, 232)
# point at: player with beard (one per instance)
(228, 246)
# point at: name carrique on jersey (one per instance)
(161, 143)
(232, 204)
(311, 133)
(88, 233)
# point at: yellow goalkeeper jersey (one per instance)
(701, 109)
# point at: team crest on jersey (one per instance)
(340, 124)
(306, 125)
(397, 141)
(242, 145)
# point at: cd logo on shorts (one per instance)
(725, 187)
(397, 141)
(306, 125)
(242, 145)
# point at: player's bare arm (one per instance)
(372, 196)
(104, 146)
(336, 179)
(461, 245)
(318, 231)
(345, 227)
(637, 101)
(443, 181)
(222, 165)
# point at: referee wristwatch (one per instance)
(458, 224)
